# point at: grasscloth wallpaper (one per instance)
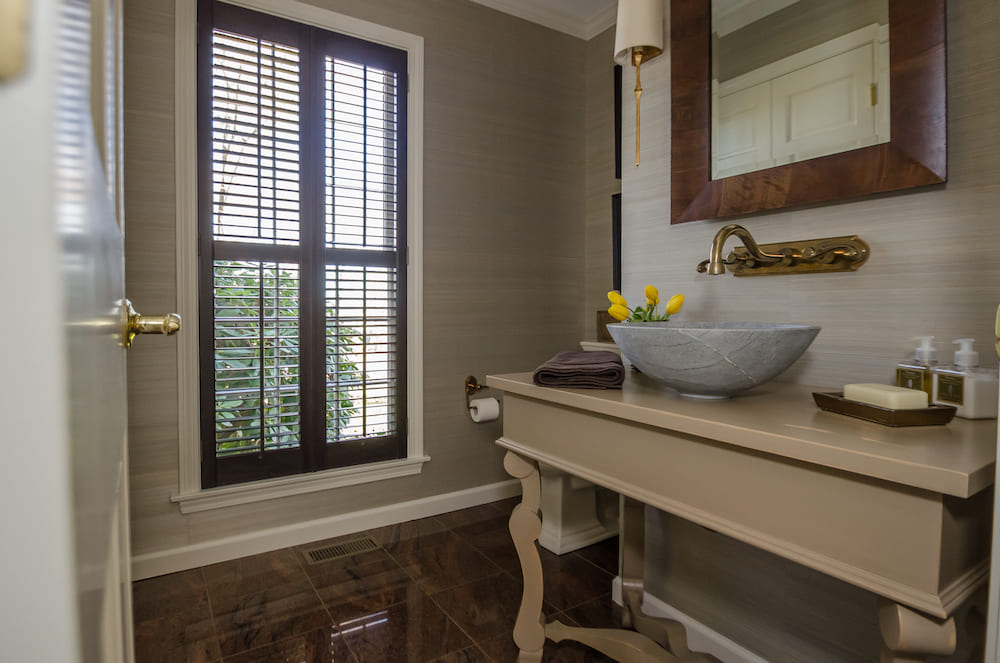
(505, 213)
(932, 270)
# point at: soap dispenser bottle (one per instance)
(971, 389)
(916, 373)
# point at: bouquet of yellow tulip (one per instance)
(620, 310)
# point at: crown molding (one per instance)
(601, 21)
(559, 16)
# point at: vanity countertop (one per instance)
(782, 419)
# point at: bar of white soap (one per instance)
(887, 396)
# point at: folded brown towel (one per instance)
(591, 370)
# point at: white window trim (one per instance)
(190, 494)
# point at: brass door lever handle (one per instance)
(136, 323)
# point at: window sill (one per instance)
(269, 489)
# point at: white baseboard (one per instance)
(700, 638)
(159, 563)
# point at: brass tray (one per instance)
(834, 401)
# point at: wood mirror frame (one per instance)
(916, 155)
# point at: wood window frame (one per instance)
(312, 255)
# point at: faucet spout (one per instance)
(716, 263)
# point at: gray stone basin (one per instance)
(712, 359)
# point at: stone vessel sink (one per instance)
(712, 359)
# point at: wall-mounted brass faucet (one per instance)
(830, 254)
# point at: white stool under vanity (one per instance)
(901, 512)
(577, 513)
(575, 516)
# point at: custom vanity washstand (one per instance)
(902, 512)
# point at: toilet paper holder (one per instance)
(472, 387)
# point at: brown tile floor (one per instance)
(444, 589)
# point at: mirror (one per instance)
(796, 79)
(910, 151)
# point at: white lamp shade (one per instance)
(640, 23)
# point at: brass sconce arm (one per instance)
(639, 55)
(831, 254)
(639, 39)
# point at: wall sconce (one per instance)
(639, 32)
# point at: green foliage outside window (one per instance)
(243, 344)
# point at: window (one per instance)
(302, 236)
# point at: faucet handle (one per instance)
(828, 252)
(702, 267)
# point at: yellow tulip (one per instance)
(675, 304)
(617, 299)
(652, 295)
(618, 312)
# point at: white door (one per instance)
(741, 132)
(993, 617)
(64, 470)
(825, 108)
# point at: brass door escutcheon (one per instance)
(136, 323)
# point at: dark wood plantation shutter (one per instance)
(364, 249)
(302, 239)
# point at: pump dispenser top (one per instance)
(915, 373)
(965, 356)
(926, 354)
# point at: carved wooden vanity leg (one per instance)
(667, 633)
(910, 637)
(616, 643)
(525, 526)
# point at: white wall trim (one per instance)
(186, 239)
(210, 552)
(185, 144)
(700, 638)
(257, 491)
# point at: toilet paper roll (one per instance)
(484, 409)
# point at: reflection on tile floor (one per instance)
(437, 590)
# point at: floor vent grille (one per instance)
(344, 549)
